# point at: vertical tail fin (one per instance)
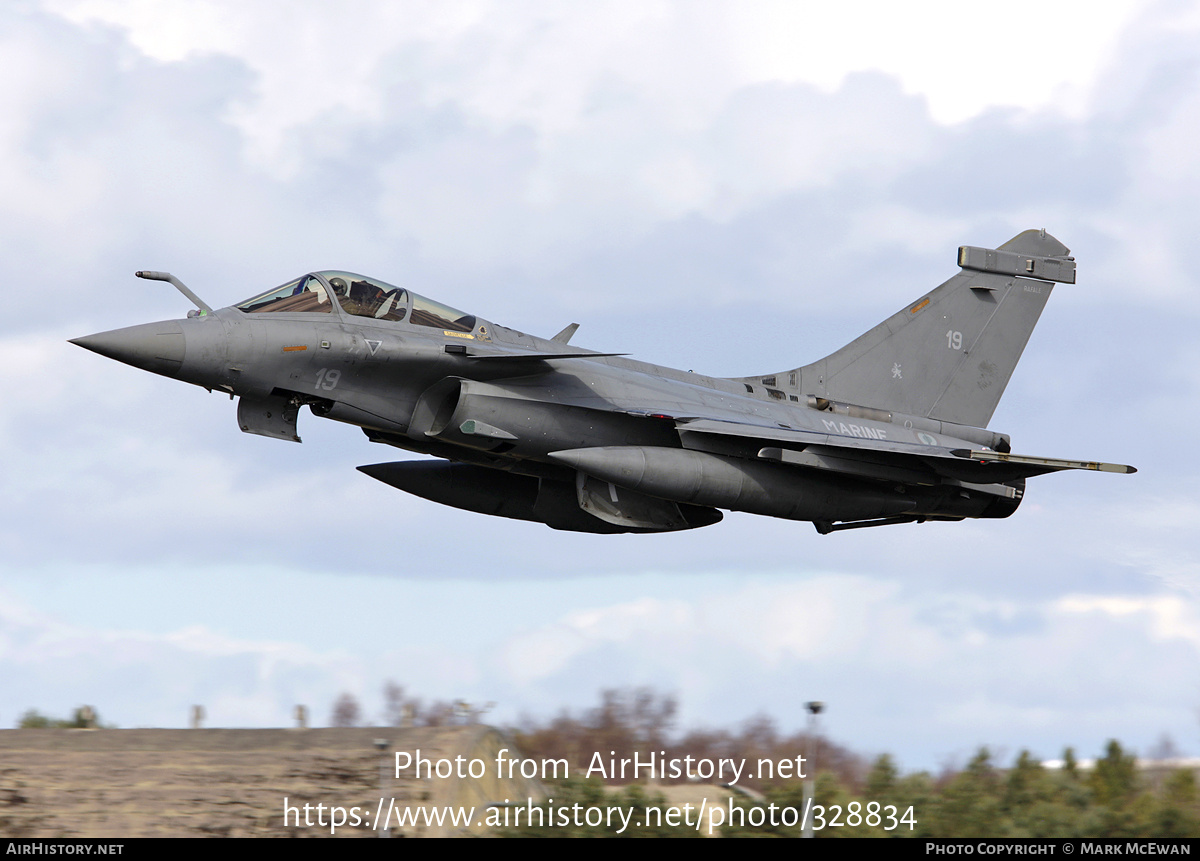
(949, 355)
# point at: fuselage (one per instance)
(421, 376)
(373, 373)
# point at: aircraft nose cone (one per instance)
(155, 347)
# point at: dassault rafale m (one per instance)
(892, 428)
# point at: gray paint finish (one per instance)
(889, 429)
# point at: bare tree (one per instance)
(398, 709)
(402, 710)
(346, 711)
(641, 721)
(1164, 748)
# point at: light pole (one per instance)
(810, 781)
(381, 745)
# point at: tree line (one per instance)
(986, 798)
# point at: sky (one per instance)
(733, 188)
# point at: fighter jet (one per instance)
(890, 429)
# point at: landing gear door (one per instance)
(272, 416)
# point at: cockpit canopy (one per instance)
(359, 296)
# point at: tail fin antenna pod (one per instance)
(949, 355)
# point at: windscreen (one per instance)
(305, 294)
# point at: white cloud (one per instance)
(545, 65)
(144, 679)
(489, 136)
(1008, 672)
(961, 58)
(1163, 617)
